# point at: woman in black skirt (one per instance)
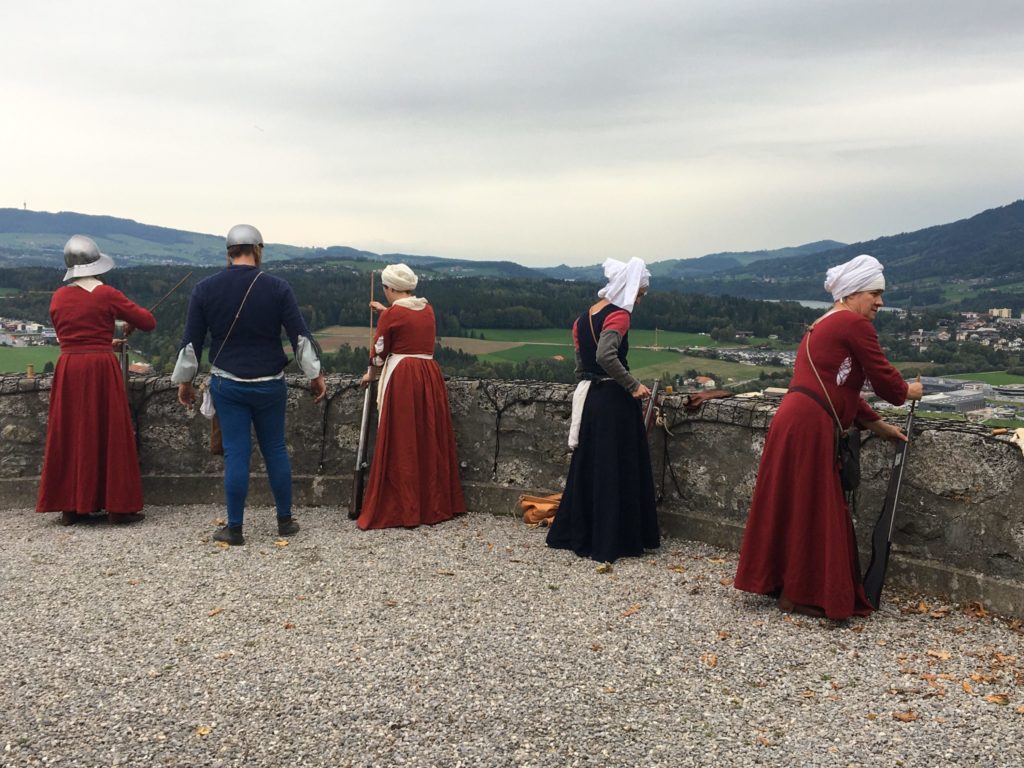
(607, 509)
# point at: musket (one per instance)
(362, 459)
(166, 295)
(651, 407)
(881, 538)
(120, 327)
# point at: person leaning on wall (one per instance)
(244, 309)
(799, 544)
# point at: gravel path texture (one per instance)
(465, 644)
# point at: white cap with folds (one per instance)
(399, 277)
(861, 273)
(82, 257)
(625, 279)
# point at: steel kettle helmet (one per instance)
(244, 234)
(82, 257)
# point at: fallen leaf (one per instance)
(203, 730)
(595, 647)
(604, 568)
(978, 677)
(215, 611)
(289, 625)
(905, 717)
(221, 544)
(717, 560)
(976, 611)
(631, 610)
(677, 568)
(872, 716)
(1020, 710)
(808, 694)
(836, 686)
(281, 543)
(967, 688)
(220, 521)
(723, 634)
(725, 582)
(763, 741)
(940, 613)
(998, 698)
(608, 690)
(710, 659)
(445, 573)
(940, 655)
(1002, 658)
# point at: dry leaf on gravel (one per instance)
(723, 634)
(631, 610)
(905, 717)
(281, 543)
(203, 730)
(940, 655)
(215, 611)
(967, 688)
(604, 568)
(717, 560)
(677, 568)
(998, 698)
(221, 544)
(710, 659)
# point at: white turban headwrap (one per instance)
(861, 273)
(624, 281)
(399, 277)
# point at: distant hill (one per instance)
(974, 263)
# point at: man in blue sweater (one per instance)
(244, 309)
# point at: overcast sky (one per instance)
(542, 132)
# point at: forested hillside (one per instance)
(329, 294)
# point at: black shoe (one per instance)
(68, 518)
(230, 534)
(286, 526)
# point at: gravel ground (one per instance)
(465, 644)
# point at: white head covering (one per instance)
(624, 281)
(861, 273)
(399, 277)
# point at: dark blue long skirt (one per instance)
(607, 509)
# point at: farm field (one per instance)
(507, 345)
(990, 377)
(15, 359)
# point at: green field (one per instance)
(644, 362)
(15, 359)
(637, 337)
(990, 377)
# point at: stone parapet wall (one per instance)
(959, 526)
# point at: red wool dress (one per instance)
(90, 461)
(414, 476)
(799, 536)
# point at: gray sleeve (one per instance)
(608, 358)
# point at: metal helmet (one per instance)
(82, 257)
(244, 234)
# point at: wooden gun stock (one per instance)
(651, 407)
(881, 537)
(362, 462)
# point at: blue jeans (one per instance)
(240, 406)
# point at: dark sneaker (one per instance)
(68, 518)
(286, 526)
(230, 535)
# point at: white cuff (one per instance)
(186, 367)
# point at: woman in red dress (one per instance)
(90, 462)
(414, 476)
(799, 544)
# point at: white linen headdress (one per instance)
(624, 281)
(399, 277)
(861, 273)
